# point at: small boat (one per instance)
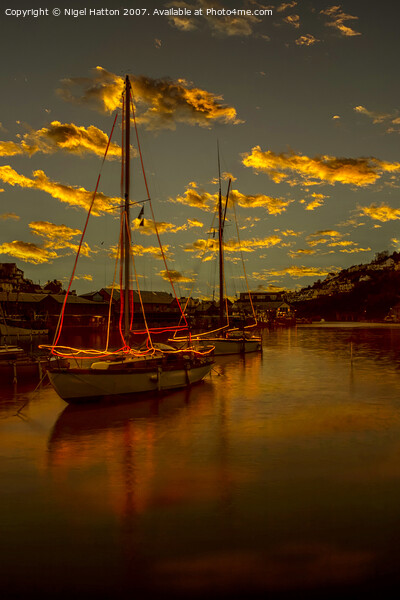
(17, 365)
(235, 342)
(130, 370)
(10, 352)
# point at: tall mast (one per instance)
(126, 227)
(220, 248)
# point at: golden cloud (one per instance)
(337, 18)
(315, 204)
(342, 243)
(274, 206)
(84, 277)
(175, 276)
(306, 40)
(58, 237)
(382, 213)
(177, 101)
(27, 252)
(211, 245)
(293, 20)
(322, 237)
(71, 138)
(102, 91)
(321, 169)
(192, 197)
(355, 249)
(300, 252)
(289, 232)
(286, 5)
(148, 227)
(224, 25)
(10, 149)
(206, 201)
(162, 102)
(154, 251)
(376, 117)
(6, 216)
(302, 271)
(74, 196)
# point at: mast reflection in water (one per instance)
(279, 475)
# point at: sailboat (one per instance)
(226, 339)
(130, 370)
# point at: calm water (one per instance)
(278, 476)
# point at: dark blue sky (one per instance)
(304, 104)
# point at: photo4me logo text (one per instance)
(134, 12)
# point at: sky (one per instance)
(301, 97)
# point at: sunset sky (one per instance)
(304, 105)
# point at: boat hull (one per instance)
(231, 346)
(83, 385)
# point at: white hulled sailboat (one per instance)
(97, 374)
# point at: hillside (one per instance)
(366, 292)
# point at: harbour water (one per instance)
(278, 476)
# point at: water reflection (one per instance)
(277, 475)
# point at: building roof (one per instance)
(148, 297)
(21, 297)
(70, 300)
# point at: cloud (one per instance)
(316, 203)
(74, 196)
(337, 18)
(376, 117)
(320, 169)
(286, 5)
(154, 251)
(383, 213)
(84, 277)
(148, 227)
(70, 138)
(28, 252)
(175, 276)
(274, 206)
(306, 40)
(206, 201)
(289, 232)
(300, 252)
(293, 20)
(102, 91)
(343, 243)
(391, 119)
(62, 136)
(172, 101)
(211, 245)
(6, 216)
(161, 102)
(302, 271)
(10, 149)
(355, 249)
(221, 25)
(196, 199)
(58, 237)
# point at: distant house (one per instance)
(158, 306)
(53, 287)
(47, 307)
(267, 306)
(11, 278)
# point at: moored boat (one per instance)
(130, 370)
